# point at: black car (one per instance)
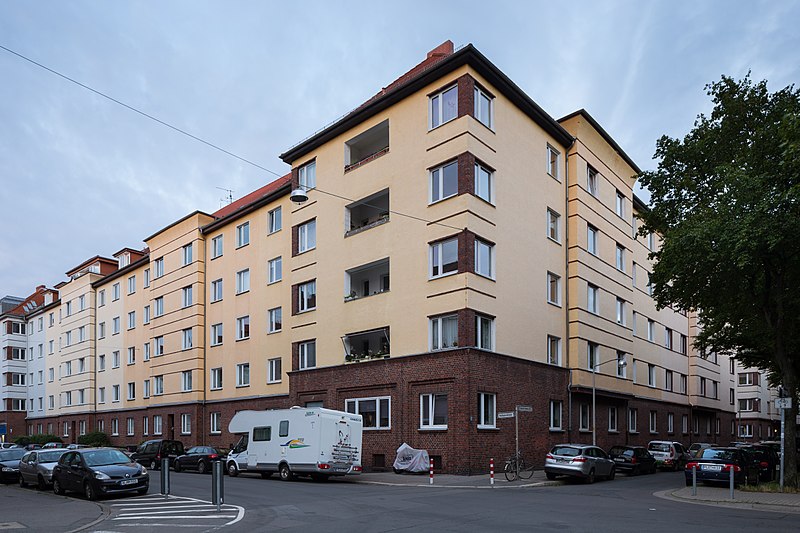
(767, 459)
(197, 458)
(99, 471)
(150, 453)
(633, 459)
(9, 464)
(714, 465)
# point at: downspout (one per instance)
(205, 340)
(567, 359)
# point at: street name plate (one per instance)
(783, 403)
(508, 414)
(524, 408)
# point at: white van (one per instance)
(313, 441)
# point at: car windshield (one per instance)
(722, 455)
(12, 454)
(658, 447)
(566, 451)
(105, 457)
(50, 457)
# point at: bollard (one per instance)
(165, 477)
(491, 471)
(431, 471)
(217, 485)
(694, 480)
(732, 497)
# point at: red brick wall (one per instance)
(466, 95)
(466, 173)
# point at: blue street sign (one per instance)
(2, 429)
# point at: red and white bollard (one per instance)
(491, 471)
(431, 471)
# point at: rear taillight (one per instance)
(579, 460)
(357, 469)
(550, 456)
(633, 460)
(727, 468)
(691, 465)
(213, 456)
(324, 466)
(763, 464)
(158, 457)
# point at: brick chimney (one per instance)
(443, 50)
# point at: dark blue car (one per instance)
(714, 465)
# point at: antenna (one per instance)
(228, 199)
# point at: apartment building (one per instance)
(459, 252)
(756, 415)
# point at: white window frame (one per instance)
(429, 400)
(307, 176)
(613, 426)
(552, 162)
(651, 375)
(436, 183)
(592, 185)
(483, 322)
(591, 239)
(620, 205)
(553, 226)
(158, 346)
(435, 331)
(216, 378)
(486, 271)
(131, 355)
(554, 350)
(243, 234)
(186, 339)
(216, 290)
(556, 415)
(436, 254)
(243, 375)
(353, 405)
(186, 424)
(131, 285)
(307, 236)
(158, 307)
(653, 422)
(146, 389)
(621, 311)
(115, 393)
(186, 381)
(131, 391)
(435, 101)
(480, 95)
(584, 417)
(146, 282)
(670, 422)
(131, 427)
(620, 257)
(482, 171)
(274, 370)
(305, 291)
(275, 269)
(275, 320)
(131, 319)
(146, 317)
(553, 280)
(243, 327)
(157, 425)
(217, 246)
(158, 385)
(275, 220)
(187, 296)
(487, 410)
(216, 334)
(214, 423)
(593, 298)
(633, 422)
(304, 357)
(243, 281)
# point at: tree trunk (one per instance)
(790, 436)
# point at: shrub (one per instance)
(96, 438)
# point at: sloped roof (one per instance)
(248, 199)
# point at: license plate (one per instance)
(619, 460)
(711, 468)
(128, 482)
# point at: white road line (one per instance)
(175, 517)
(132, 509)
(176, 511)
(156, 502)
(150, 524)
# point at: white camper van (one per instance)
(311, 441)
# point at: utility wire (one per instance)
(207, 143)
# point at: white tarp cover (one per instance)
(411, 460)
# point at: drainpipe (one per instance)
(566, 343)
(205, 340)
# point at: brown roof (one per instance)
(37, 298)
(248, 199)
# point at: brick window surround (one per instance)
(466, 250)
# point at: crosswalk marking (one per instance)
(157, 511)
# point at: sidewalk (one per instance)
(538, 479)
(719, 496)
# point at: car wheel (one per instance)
(40, 483)
(590, 477)
(232, 470)
(550, 476)
(636, 470)
(176, 466)
(285, 472)
(57, 488)
(22, 482)
(266, 475)
(612, 474)
(89, 492)
(202, 467)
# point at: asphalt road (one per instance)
(255, 504)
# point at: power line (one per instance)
(196, 138)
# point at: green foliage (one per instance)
(96, 438)
(24, 440)
(726, 201)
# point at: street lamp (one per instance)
(299, 195)
(621, 363)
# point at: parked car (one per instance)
(7, 445)
(671, 455)
(715, 465)
(77, 446)
(767, 459)
(579, 460)
(36, 467)
(633, 459)
(197, 458)
(32, 446)
(9, 464)
(697, 447)
(99, 471)
(151, 452)
(53, 445)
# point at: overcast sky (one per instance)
(81, 176)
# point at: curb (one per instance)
(750, 506)
(104, 514)
(484, 487)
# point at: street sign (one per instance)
(783, 403)
(524, 408)
(507, 414)
(2, 429)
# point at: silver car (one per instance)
(36, 467)
(579, 460)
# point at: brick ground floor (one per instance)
(14, 423)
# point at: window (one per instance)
(145, 426)
(651, 375)
(486, 410)
(307, 176)
(747, 379)
(274, 370)
(275, 220)
(130, 426)
(243, 281)
(307, 296)
(620, 258)
(591, 180)
(443, 107)
(17, 379)
(702, 386)
(443, 258)
(115, 292)
(591, 239)
(592, 355)
(186, 339)
(553, 225)
(670, 422)
(552, 161)
(131, 285)
(186, 381)
(186, 424)
(553, 288)
(621, 311)
(308, 354)
(685, 423)
(653, 422)
(131, 355)
(444, 181)
(668, 338)
(651, 330)
(101, 395)
(683, 383)
(433, 411)
(444, 332)
(262, 434)
(146, 389)
(158, 306)
(146, 318)
(307, 236)
(591, 301)
(216, 378)
(620, 207)
(484, 332)
(731, 395)
(584, 417)
(131, 319)
(556, 407)
(668, 380)
(484, 183)
(243, 375)
(51, 371)
(554, 350)
(633, 414)
(146, 278)
(243, 328)
(484, 258)
(115, 393)
(374, 411)
(101, 364)
(156, 424)
(101, 301)
(243, 235)
(115, 359)
(216, 334)
(683, 344)
(81, 337)
(68, 338)
(651, 244)
(275, 320)
(51, 344)
(214, 423)
(484, 108)
(186, 296)
(621, 364)
(216, 246)
(131, 391)
(158, 344)
(18, 354)
(216, 290)
(158, 385)
(115, 426)
(612, 419)
(275, 270)
(747, 404)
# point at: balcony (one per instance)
(366, 213)
(366, 146)
(372, 344)
(366, 280)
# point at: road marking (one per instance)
(173, 506)
(151, 512)
(201, 517)
(178, 511)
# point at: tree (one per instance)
(726, 202)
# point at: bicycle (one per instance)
(515, 468)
